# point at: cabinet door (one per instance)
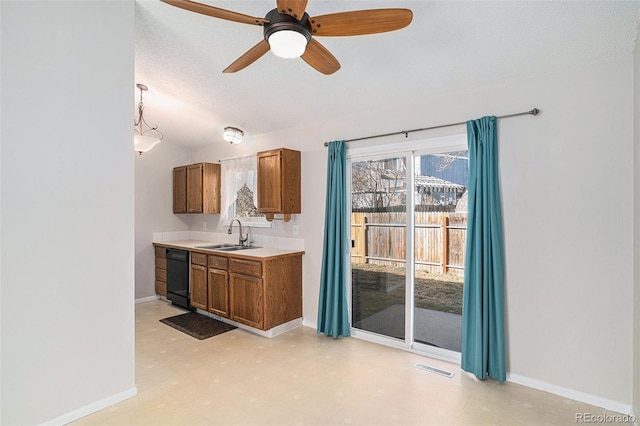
(247, 300)
(194, 188)
(199, 286)
(180, 190)
(219, 292)
(290, 181)
(210, 188)
(269, 182)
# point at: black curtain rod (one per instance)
(534, 111)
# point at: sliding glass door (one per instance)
(440, 220)
(378, 246)
(408, 230)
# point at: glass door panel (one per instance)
(440, 220)
(378, 240)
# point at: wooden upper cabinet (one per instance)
(196, 188)
(211, 188)
(279, 181)
(180, 189)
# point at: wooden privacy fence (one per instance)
(440, 237)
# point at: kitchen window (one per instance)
(239, 196)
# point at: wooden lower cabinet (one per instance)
(247, 303)
(260, 292)
(199, 287)
(161, 271)
(266, 293)
(199, 284)
(282, 290)
(219, 292)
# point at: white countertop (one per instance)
(262, 252)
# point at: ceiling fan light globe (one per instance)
(287, 44)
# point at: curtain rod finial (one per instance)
(535, 111)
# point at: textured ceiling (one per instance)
(449, 46)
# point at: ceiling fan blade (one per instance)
(249, 57)
(360, 22)
(320, 58)
(216, 12)
(294, 8)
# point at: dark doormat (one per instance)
(197, 325)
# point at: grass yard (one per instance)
(377, 287)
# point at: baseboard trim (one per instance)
(598, 401)
(310, 324)
(147, 299)
(283, 328)
(272, 332)
(93, 407)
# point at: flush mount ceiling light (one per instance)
(287, 36)
(145, 137)
(232, 135)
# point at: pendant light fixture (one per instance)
(145, 137)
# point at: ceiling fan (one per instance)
(289, 30)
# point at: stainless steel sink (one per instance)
(216, 246)
(227, 247)
(234, 248)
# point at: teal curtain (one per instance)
(333, 315)
(483, 351)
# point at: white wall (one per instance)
(636, 231)
(567, 185)
(154, 207)
(67, 214)
(567, 195)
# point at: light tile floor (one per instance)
(300, 378)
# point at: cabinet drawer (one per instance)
(161, 275)
(161, 252)
(199, 259)
(249, 267)
(161, 262)
(218, 262)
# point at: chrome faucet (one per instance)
(241, 240)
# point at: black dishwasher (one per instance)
(178, 277)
